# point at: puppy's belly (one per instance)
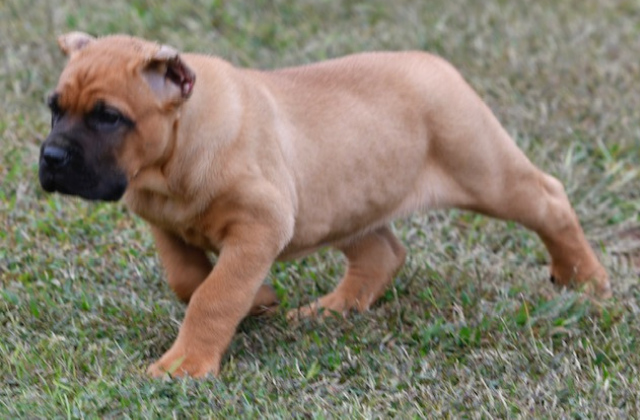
(289, 254)
(297, 250)
(354, 210)
(337, 228)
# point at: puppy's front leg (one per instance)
(185, 266)
(218, 305)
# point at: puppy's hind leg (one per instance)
(373, 260)
(487, 173)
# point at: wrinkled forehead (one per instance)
(107, 70)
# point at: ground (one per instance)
(471, 326)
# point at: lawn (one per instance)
(470, 328)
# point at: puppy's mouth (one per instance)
(112, 193)
(110, 188)
(47, 181)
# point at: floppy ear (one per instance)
(168, 76)
(74, 41)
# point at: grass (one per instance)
(471, 327)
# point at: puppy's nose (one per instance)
(55, 157)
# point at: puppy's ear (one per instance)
(74, 41)
(168, 76)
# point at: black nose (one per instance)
(55, 157)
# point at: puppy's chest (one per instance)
(195, 237)
(182, 221)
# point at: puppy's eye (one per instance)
(104, 119)
(56, 111)
(55, 116)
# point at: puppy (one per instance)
(259, 166)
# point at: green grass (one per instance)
(471, 327)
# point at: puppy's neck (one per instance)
(150, 180)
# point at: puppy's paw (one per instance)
(265, 302)
(176, 363)
(330, 305)
(311, 311)
(594, 282)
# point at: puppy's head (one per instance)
(113, 113)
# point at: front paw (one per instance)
(177, 363)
